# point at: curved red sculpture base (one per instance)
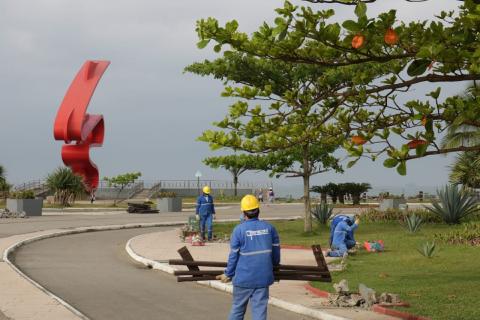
(74, 124)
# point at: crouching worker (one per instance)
(342, 235)
(254, 251)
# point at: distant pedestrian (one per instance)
(271, 195)
(205, 213)
(260, 195)
(92, 197)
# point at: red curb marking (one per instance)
(396, 313)
(287, 246)
(317, 292)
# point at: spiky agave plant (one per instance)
(428, 249)
(413, 223)
(322, 212)
(454, 204)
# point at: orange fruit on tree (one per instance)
(358, 140)
(424, 120)
(415, 143)
(391, 37)
(358, 41)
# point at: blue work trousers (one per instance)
(208, 221)
(350, 244)
(337, 250)
(259, 301)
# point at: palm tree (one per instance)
(4, 186)
(356, 190)
(461, 136)
(465, 170)
(66, 185)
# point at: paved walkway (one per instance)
(161, 246)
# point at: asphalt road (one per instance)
(9, 227)
(93, 273)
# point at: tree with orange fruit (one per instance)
(384, 60)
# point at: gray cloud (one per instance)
(153, 111)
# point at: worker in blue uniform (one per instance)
(254, 251)
(205, 212)
(350, 237)
(341, 238)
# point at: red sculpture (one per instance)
(74, 124)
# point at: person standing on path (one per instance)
(271, 195)
(205, 213)
(254, 251)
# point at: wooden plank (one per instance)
(199, 263)
(276, 273)
(188, 278)
(198, 273)
(186, 256)
(322, 264)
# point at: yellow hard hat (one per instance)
(206, 190)
(249, 202)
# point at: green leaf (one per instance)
(435, 94)
(402, 168)
(418, 67)
(390, 163)
(352, 163)
(421, 149)
(351, 25)
(217, 48)
(361, 10)
(202, 43)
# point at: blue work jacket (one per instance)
(254, 250)
(341, 232)
(205, 205)
(334, 224)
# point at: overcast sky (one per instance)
(153, 112)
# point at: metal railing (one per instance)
(136, 188)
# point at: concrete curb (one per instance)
(317, 314)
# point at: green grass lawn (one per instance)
(446, 286)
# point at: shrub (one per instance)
(413, 223)
(24, 194)
(428, 249)
(375, 215)
(66, 185)
(469, 234)
(454, 205)
(322, 212)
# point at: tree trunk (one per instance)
(323, 197)
(356, 198)
(235, 183)
(306, 198)
(334, 199)
(341, 198)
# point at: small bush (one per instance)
(24, 194)
(322, 212)
(413, 223)
(428, 249)
(375, 215)
(469, 234)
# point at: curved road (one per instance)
(93, 273)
